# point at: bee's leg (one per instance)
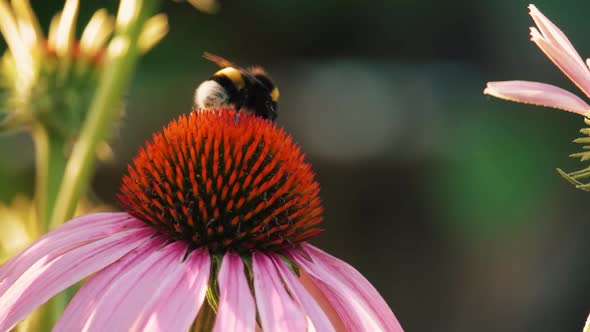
(237, 107)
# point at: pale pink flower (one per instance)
(219, 208)
(557, 47)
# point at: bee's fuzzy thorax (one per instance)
(210, 94)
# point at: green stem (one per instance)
(102, 113)
(50, 159)
(50, 162)
(50, 312)
(205, 318)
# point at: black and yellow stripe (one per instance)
(234, 75)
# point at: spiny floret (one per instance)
(579, 178)
(224, 180)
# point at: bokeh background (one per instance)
(446, 200)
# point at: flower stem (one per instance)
(50, 162)
(52, 310)
(102, 111)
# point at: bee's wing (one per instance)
(223, 63)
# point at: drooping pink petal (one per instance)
(126, 297)
(81, 306)
(51, 274)
(573, 67)
(554, 35)
(318, 319)
(356, 281)
(358, 311)
(236, 310)
(153, 292)
(310, 286)
(538, 94)
(178, 309)
(278, 312)
(74, 233)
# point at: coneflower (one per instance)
(219, 207)
(555, 44)
(49, 80)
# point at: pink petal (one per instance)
(53, 273)
(355, 300)
(356, 281)
(570, 65)
(154, 292)
(553, 35)
(178, 310)
(318, 319)
(80, 307)
(277, 310)
(236, 310)
(127, 296)
(538, 94)
(72, 234)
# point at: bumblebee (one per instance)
(248, 90)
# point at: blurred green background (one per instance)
(446, 200)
